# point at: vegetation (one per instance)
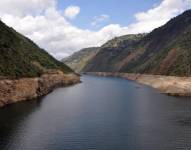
(112, 53)
(166, 51)
(20, 57)
(78, 60)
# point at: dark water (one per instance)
(102, 114)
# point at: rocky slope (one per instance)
(164, 51)
(27, 71)
(78, 60)
(15, 90)
(171, 85)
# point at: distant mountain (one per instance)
(20, 57)
(78, 60)
(166, 51)
(113, 52)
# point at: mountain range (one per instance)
(164, 51)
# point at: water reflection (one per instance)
(12, 118)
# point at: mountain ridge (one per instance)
(164, 51)
(78, 60)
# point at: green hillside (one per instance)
(20, 57)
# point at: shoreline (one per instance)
(23, 89)
(171, 85)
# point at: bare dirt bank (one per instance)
(172, 85)
(12, 91)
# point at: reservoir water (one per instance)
(98, 114)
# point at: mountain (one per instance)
(20, 57)
(166, 51)
(112, 52)
(78, 60)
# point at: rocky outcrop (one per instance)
(172, 85)
(12, 91)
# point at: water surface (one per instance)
(98, 114)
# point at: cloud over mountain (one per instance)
(99, 19)
(51, 28)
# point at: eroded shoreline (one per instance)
(171, 85)
(12, 91)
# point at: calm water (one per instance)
(102, 114)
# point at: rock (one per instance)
(12, 91)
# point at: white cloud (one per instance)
(41, 21)
(71, 12)
(23, 7)
(159, 15)
(99, 19)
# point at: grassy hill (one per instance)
(20, 57)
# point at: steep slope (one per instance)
(113, 52)
(26, 71)
(20, 57)
(78, 60)
(166, 51)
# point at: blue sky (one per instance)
(120, 11)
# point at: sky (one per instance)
(63, 27)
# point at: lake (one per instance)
(101, 113)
